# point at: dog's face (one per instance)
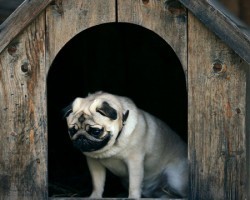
(95, 122)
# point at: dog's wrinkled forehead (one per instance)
(88, 107)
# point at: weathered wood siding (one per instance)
(216, 79)
(168, 19)
(24, 65)
(248, 131)
(66, 18)
(23, 120)
(217, 117)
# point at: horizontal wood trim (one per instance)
(230, 30)
(19, 19)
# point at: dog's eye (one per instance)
(95, 131)
(81, 119)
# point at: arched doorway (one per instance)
(119, 58)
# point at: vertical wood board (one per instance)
(67, 18)
(23, 127)
(165, 18)
(248, 130)
(217, 117)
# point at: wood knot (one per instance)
(219, 68)
(145, 2)
(238, 111)
(38, 161)
(25, 68)
(58, 7)
(12, 50)
(175, 7)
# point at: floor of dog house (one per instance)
(122, 59)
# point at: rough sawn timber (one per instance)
(24, 66)
(216, 117)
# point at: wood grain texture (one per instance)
(67, 18)
(217, 117)
(165, 18)
(235, 34)
(23, 127)
(23, 101)
(19, 19)
(248, 131)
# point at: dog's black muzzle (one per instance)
(90, 142)
(85, 144)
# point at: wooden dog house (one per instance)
(215, 57)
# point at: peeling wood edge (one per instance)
(20, 19)
(226, 28)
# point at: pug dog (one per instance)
(141, 149)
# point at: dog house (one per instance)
(213, 50)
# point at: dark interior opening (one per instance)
(122, 59)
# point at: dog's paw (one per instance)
(95, 195)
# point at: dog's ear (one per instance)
(107, 111)
(125, 116)
(65, 112)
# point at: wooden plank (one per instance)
(248, 131)
(67, 18)
(165, 18)
(23, 127)
(217, 117)
(19, 19)
(230, 30)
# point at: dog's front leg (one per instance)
(136, 172)
(98, 174)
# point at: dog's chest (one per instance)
(116, 166)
